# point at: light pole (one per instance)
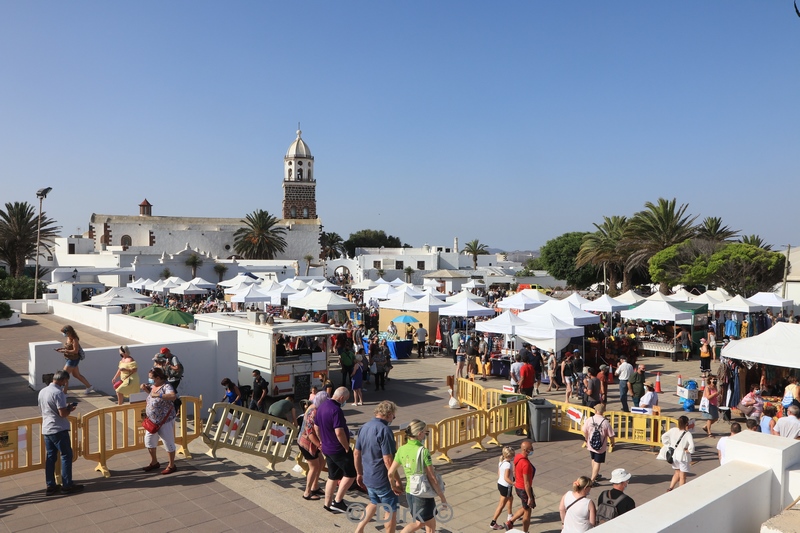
(41, 194)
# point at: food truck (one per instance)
(289, 353)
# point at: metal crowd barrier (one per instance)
(22, 446)
(109, 431)
(237, 428)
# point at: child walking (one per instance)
(505, 485)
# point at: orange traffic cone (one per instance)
(658, 382)
(680, 381)
(703, 384)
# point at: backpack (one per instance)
(606, 507)
(596, 442)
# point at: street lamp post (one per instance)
(41, 194)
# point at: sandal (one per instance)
(151, 467)
(169, 470)
(318, 492)
(311, 497)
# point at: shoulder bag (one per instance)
(671, 450)
(152, 427)
(418, 483)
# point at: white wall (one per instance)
(206, 358)
(739, 496)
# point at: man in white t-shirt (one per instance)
(422, 337)
(723, 442)
(624, 371)
(513, 373)
(789, 425)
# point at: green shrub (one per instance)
(5, 311)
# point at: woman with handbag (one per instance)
(679, 447)
(711, 402)
(422, 482)
(752, 405)
(309, 444)
(160, 419)
(126, 380)
(73, 352)
(577, 510)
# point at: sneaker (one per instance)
(509, 526)
(537, 390)
(55, 489)
(74, 488)
(497, 527)
(339, 507)
(90, 390)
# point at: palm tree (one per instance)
(307, 259)
(408, 271)
(475, 248)
(755, 240)
(380, 272)
(332, 245)
(261, 238)
(712, 230)
(603, 248)
(220, 269)
(657, 227)
(193, 262)
(18, 227)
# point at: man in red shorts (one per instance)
(523, 485)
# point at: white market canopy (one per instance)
(707, 299)
(296, 295)
(324, 301)
(605, 304)
(407, 288)
(577, 300)
(656, 311)
(740, 305)
(473, 284)
(177, 280)
(466, 307)
(236, 280)
(270, 285)
(778, 346)
(658, 297)
(364, 285)
(251, 294)
(549, 333)
(396, 282)
(298, 284)
(399, 301)
(188, 288)
(325, 284)
(506, 323)
(770, 299)
(433, 292)
(430, 283)
(464, 295)
(564, 311)
(381, 281)
(119, 296)
(138, 284)
(629, 297)
(381, 292)
(427, 304)
(203, 284)
(720, 294)
(238, 287)
(537, 295)
(682, 295)
(519, 301)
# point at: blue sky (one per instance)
(508, 122)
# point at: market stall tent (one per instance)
(563, 310)
(519, 301)
(605, 304)
(740, 305)
(629, 297)
(770, 299)
(657, 311)
(778, 346)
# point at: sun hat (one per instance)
(620, 475)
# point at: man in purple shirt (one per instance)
(331, 428)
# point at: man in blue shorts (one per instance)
(375, 450)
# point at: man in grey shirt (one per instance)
(55, 430)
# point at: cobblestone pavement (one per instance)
(238, 493)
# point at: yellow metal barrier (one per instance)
(640, 429)
(470, 393)
(459, 430)
(237, 428)
(22, 446)
(506, 417)
(118, 429)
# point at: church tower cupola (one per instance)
(299, 182)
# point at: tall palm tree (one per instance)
(18, 229)
(220, 269)
(307, 259)
(408, 271)
(261, 238)
(604, 248)
(755, 240)
(655, 228)
(475, 248)
(194, 262)
(332, 245)
(711, 229)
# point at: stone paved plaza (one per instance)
(237, 493)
